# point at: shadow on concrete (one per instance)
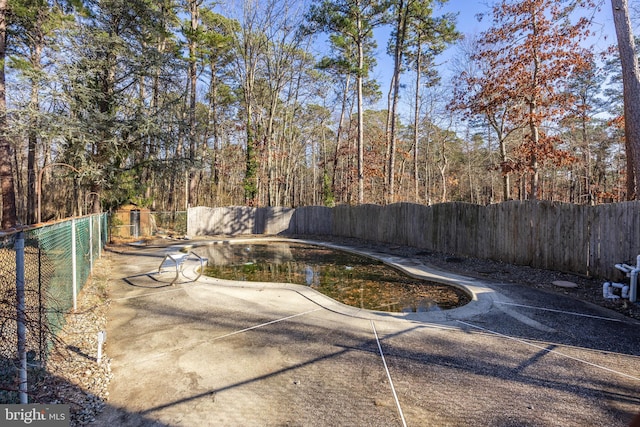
(502, 355)
(151, 276)
(465, 352)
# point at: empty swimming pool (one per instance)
(351, 279)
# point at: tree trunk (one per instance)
(213, 119)
(416, 122)
(272, 179)
(506, 176)
(442, 167)
(9, 217)
(34, 111)
(387, 153)
(401, 29)
(193, 78)
(497, 124)
(631, 85)
(343, 109)
(533, 120)
(248, 62)
(360, 117)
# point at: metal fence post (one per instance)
(41, 308)
(20, 312)
(74, 274)
(101, 221)
(91, 217)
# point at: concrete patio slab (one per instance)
(221, 353)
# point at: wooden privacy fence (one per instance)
(580, 239)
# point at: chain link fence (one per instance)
(52, 268)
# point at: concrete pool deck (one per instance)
(221, 353)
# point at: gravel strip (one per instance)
(72, 374)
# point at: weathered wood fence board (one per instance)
(312, 220)
(614, 236)
(557, 236)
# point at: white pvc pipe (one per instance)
(630, 291)
(102, 337)
(633, 287)
(626, 269)
(625, 292)
(605, 289)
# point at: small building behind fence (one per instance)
(132, 221)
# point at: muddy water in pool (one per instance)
(351, 279)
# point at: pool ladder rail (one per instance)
(178, 260)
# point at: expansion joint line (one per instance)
(549, 350)
(386, 368)
(559, 311)
(180, 348)
(265, 324)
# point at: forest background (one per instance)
(176, 103)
